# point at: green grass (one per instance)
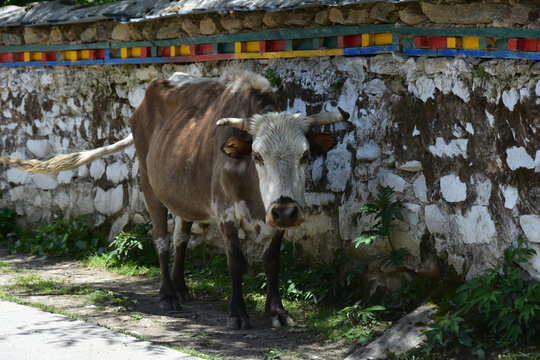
(126, 269)
(195, 353)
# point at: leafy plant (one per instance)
(135, 246)
(65, 237)
(271, 75)
(7, 224)
(500, 303)
(385, 211)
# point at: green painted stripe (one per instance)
(282, 34)
(489, 32)
(117, 45)
(60, 47)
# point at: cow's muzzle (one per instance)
(284, 213)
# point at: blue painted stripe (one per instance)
(420, 52)
(22, 63)
(368, 50)
(491, 54)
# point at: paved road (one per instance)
(27, 333)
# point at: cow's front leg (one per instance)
(182, 231)
(238, 317)
(275, 312)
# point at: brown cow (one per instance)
(247, 172)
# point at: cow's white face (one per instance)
(280, 151)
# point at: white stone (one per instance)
(44, 181)
(425, 88)
(411, 213)
(510, 98)
(537, 162)
(17, 193)
(524, 94)
(298, 106)
(415, 132)
(118, 225)
(17, 176)
(375, 87)
(517, 157)
(435, 221)
(136, 95)
(97, 168)
(531, 227)
(317, 169)
(39, 148)
(109, 202)
(64, 177)
(411, 166)
(62, 200)
(82, 171)
(456, 147)
(368, 152)
(511, 196)
(313, 198)
(476, 227)
(116, 172)
(338, 163)
(490, 118)
(452, 189)
(443, 83)
(469, 128)
(537, 88)
(388, 178)
(420, 188)
(483, 192)
(460, 89)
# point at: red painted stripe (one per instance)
(530, 44)
(205, 49)
(437, 42)
(515, 44)
(421, 41)
(352, 41)
(263, 46)
(275, 45)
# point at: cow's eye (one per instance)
(305, 158)
(258, 159)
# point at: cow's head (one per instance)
(281, 148)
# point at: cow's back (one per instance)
(179, 145)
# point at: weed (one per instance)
(338, 85)
(499, 307)
(136, 317)
(128, 268)
(271, 75)
(135, 246)
(7, 225)
(65, 237)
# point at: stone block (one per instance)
(517, 157)
(335, 16)
(357, 17)
(452, 189)
(412, 15)
(383, 11)
(273, 19)
(321, 18)
(420, 189)
(207, 26)
(530, 224)
(89, 34)
(189, 26)
(109, 202)
(38, 148)
(56, 35)
(231, 24)
(121, 32)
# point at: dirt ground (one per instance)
(200, 325)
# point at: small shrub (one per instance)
(8, 229)
(499, 307)
(73, 237)
(270, 74)
(135, 246)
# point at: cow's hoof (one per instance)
(238, 323)
(281, 320)
(185, 296)
(170, 304)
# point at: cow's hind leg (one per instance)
(276, 313)
(182, 231)
(168, 300)
(238, 317)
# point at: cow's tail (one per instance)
(67, 161)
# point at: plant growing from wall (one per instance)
(386, 213)
(270, 74)
(499, 307)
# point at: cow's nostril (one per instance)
(276, 214)
(294, 213)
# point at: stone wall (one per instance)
(456, 138)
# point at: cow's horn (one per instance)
(239, 123)
(328, 118)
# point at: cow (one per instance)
(217, 150)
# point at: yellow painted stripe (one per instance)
(238, 47)
(252, 46)
(451, 42)
(35, 56)
(289, 54)
(382, 39)
(471, 42)
(135, 52)
(172, 50)
(85, 54)
(70, 55)
(26, 56)
(366, 40)
(185, 50)
(124, 53)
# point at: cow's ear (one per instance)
(321, 143)
(237, 148)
